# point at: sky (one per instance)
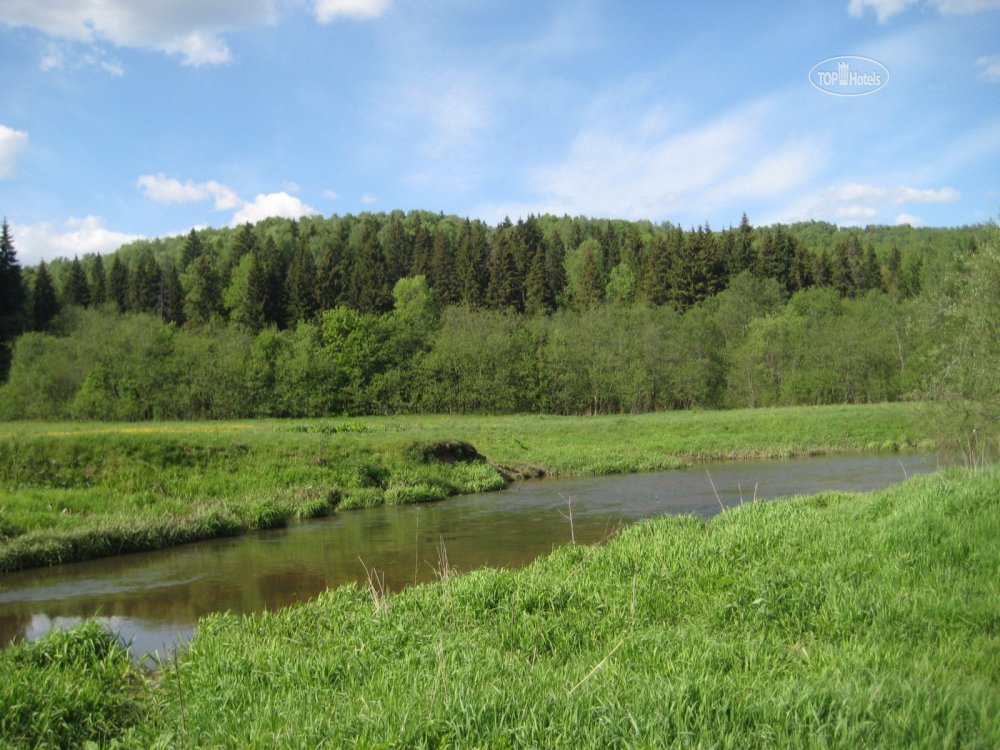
(122, 119)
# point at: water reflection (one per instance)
(155, 599)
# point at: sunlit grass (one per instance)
(70, 491)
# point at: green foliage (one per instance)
(818, 621)
(68, 689)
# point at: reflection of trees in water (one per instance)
(13, 625)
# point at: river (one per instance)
(153, 600)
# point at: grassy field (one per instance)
(837, 620)
(73, 491)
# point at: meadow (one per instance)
(78, 490)
(836, 620)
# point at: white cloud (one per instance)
(857, 192)
(613, 169)
(291, 187)
(12, 142)
(989, 68)
(272, 204)
(927, 195)
(188, 28)
(886, 9)
(163, 189)
(75, 236)
(368, 199)
(331, 195)
(327, 10)
(856, 212)
(913, 221)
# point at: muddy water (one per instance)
(155, 599)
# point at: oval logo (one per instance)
(849, 75)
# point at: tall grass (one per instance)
(74, 491)
(837, 620)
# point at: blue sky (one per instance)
(129, 118)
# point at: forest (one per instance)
(420, 312)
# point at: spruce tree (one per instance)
(252, 313)
(119, 284)
(744, 257)
(76, 290)
(555, 270)
(12, 292)
(504, 289)
(657, 288)
(204, 296)
(172, 296)
(442, 270)
(44, 303)
(300, 286)
(329, 279)
(536, 295)
(420, 261)
(98, 282)
(192, 249)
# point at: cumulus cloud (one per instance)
(925, 195)
(327, 10)
(163, 189)
(856, 212)
(192, 30)
(913, 221)
(857, 192)
(886, 9)
(75, 236)
(279, 204)
(989, 68)
(12, 142)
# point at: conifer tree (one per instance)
(442, 271)
(471, 263)
(504, 289)
(12, 297)
(536, 296)
(869, 270)
(744, 257)
(300, 286)
(76, 290)
(204, 296)
(252, 313)
(329, 279)
(555, 270)
(396, 246)
(119, 284)
(371, 288)
(171, 296)
(44, 303)
(192, 249)
(420, 263)
(657, 288)
(98, 282)
(589, 292)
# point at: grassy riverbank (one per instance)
(836, 620)
(72, 491)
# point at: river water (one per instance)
(154, 599)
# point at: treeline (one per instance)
(745, 346)
(421, 312)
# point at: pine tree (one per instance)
(12, 292)
(252, 313)
(76, 291)
(589, 292)
(329, 279)
(536, 295)
(98, 282)
(555, 271)
(171, 305)
(471, 263)
(744, 257)
(192, 249)
(300, 286)
(204, 297)
(119, 284)
(420, 263)
(504, 289)
(657, 288)
(44, 303)
(442, 271)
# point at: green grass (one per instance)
(72, 491)
(837, 620)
